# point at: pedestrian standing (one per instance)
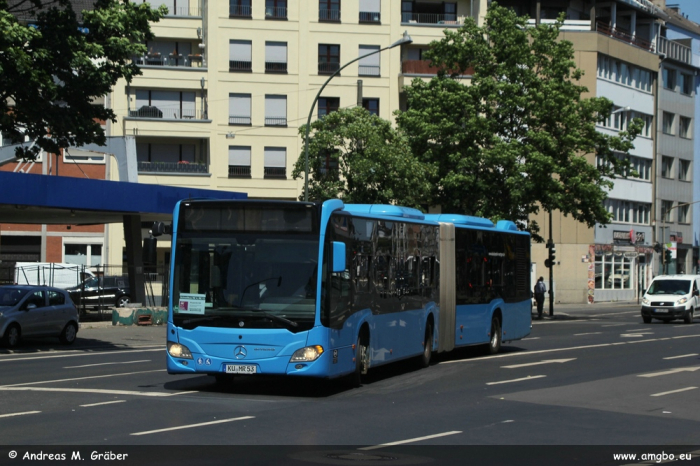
(540, 290)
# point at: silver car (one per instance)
(36, 311)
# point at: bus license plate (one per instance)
(241, 369)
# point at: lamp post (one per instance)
(406, 39)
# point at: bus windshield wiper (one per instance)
(204, 318)
(276, 317)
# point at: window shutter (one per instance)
(240, 50)
(275, 157)
(239, 156)
(276, 52)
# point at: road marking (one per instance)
(412, 440)
(533, 338)
(635, 335)
(682, 356)
(674, 391)
(555, 350)
(101, 353)
(194, 425)
(529, 377)
(590, 333)
(103, 403)
(613, 325)
(106, 364)
(93, 390)
(81, 378)
(672, 371)
(548, 361)
(19, 414)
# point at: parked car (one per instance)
(36, 311)
(672, 297)
(102, 291)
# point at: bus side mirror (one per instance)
(338, 257)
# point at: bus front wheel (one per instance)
(424, 359)
(360, 363)
(496, 337)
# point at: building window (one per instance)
(276, 110)
(329, 10)
(275, 9)
(168, 158)
(687, 84)
(89, 255)
(628, 211)
(639, 167)
(275, 162)
(684, 127)
(75, 155)
(275, 57)
(684, 170)
(667, 167)
(613, 272)
(370, 11)
(327, 105)
(624, 73)
(240, 8)
(371, 105)
(666, 208)
(668, 123)
(239, 109)
(239, 161)
(669, 79)
(369, 63)
(240, 55)
(164, 104)
(328, 58)
(683, 213)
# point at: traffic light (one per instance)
(549, 262)
(667, 256)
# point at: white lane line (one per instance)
(411, 440)
(674, 391)
(193, 425)
(103, 403)
(81, 378)
(672, 371)
(533, 338)
(19, 414)
(102, 353)
(613, 325)
(548, 361)
(635, 335)
(529, 377)
(589, 333)
(92, 390)
(106, 364)
(682, 356)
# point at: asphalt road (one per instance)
(592, 376)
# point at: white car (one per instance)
(671, 297)
(36, 311)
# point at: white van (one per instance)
(671, 297)
(50, 274)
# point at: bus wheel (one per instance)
(424, 359)
(495, 342)
(355, 378)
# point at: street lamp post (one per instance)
(406, 39)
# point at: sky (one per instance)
(688, 7)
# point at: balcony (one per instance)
(276, 12)
(432, 19)
(282, 121)
(172, 167)
(330, 16)
(418, 67)
(623, 35)
(239, 171)
(239, 120)
(675, 51)
(170, 60)
(240, 66)
(368, 70)
(275, 172)
(328, 68)
(189, 11)
(275, 67)
(370, 17)
(240, 11)
(150, 112)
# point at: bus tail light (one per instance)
(308, 354)
(177, 350)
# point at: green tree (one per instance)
(51, 71)
(360, 158)
(518, 136)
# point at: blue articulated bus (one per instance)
(333, 289)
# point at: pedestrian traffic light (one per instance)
(667, 256)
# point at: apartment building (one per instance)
(226, 85)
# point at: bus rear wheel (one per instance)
(424, 359)
(496, 337)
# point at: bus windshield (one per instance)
(252, 266)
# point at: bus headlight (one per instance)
(308, 354)
(179, 351)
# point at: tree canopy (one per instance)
(55, 62)
(516, 135)
(361, 158)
